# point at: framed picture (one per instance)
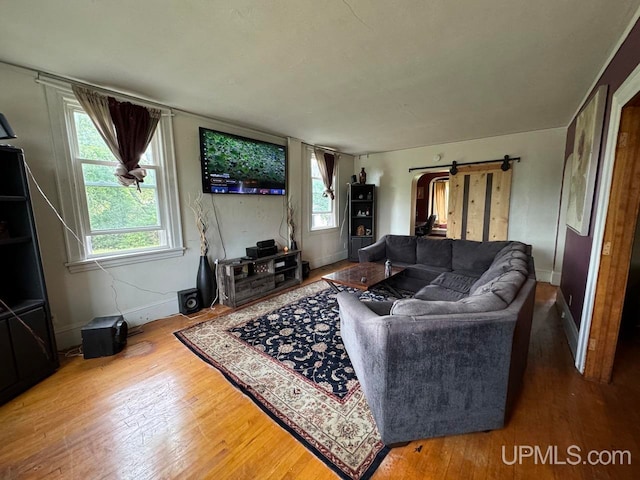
(586, 151)
(420, 193)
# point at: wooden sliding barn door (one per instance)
(479, 203)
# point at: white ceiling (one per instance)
(358, 75)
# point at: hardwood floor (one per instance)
(158, 411)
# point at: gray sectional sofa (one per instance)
(451, 359)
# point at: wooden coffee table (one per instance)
(362, 276)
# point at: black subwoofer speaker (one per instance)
(104, 336)
(305, 269)
(189, 301)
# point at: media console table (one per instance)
(242, 280)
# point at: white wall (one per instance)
(76, 298)
(535, 190)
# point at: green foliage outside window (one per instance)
(124, 241)
(320, 204)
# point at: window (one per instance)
(323, 212)
(116, 219)
(117, 224)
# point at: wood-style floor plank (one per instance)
(157, 411)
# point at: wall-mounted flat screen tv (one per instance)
(240, 165)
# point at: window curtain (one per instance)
(126, 128)
(441, 194)
(326, 165)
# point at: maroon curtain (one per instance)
(330, 165)
(134, 128)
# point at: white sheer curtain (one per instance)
(97, 107)
(441, 197)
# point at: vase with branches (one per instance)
(205, 279)
(293, 245)
(200, 217)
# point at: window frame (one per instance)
(71, 187)
(334, 202)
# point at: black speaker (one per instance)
(265, 243)
(189, 301)
(104, 336)
(305, 269)
(259, 252)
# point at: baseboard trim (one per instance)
(543, 275)
(568, 325)
(555, 278)
(70, 335)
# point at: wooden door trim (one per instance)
(597, 354)
(620, 227)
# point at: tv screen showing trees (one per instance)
(240, 165)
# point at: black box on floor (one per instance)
(104, 336)
(305, 269)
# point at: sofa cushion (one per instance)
(474, 256)
(487, 302)
(435, 292)
(435, 253)
(401, 248)
(455, 281)
(497, 268)
(506, 286)
(511, 248)
(423, 272)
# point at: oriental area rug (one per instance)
(286, 354)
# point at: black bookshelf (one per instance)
(24, 361)
(362, 217)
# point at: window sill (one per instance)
(125, 259)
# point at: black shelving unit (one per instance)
(362, 217)
(23, 360)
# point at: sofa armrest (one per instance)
(374, 252)
(363, 345)
(351, 306)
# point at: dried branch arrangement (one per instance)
(291, 223)
(201, 221)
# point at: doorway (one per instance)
(629, 335)
(613, 239)
(431, 205)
